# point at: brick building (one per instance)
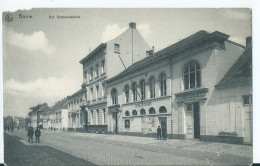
(103, 63)
(175, 88)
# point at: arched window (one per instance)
(192, 75)
(127, 113)
(142, 111)
(134, 91)
(134, 112)
(126, 93)
(152, 87)
(162, 109)
(151, 110)
(163, 84)
(142, 88)
(114, 96)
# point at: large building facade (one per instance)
(103, 63)
(176, 88)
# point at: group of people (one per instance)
(162, 132)
(30, 133)
(8, 128)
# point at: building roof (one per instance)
(240, 73)
(98, 48)
(75, 94)
(191, 41)
(39, 107)
(60, 105)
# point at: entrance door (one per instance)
(163, 122)
(114, 122)
(196, 115)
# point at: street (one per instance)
(101, 149)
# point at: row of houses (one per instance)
(198, 88)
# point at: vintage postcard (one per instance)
(107, 86)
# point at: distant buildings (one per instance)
(36, 115)
(198, 88)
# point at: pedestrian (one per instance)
(51, 128)
(30, 134)
(8, 128)
(18, 127)
(12, 129)
(159, 132)
(164, 132)
(37, 135)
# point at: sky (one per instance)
(41, 55)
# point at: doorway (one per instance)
(163, 122)
(196, 116)
(114, 114)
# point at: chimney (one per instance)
(132, 25)
(249, 41)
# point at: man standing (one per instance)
(159, 132)
(164, 132)
(30, 134)
(37, 134)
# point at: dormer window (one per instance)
(117, 48)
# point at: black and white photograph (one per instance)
(127, 86)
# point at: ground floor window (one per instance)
(247, 99)
(127, 123)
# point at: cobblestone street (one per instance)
(103, 149)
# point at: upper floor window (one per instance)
(117, 48)
(151, 110)
(127, 93)
(85, 74)
(142, 88)
(162, 110)
(114, 96)
(97, 70)
(91, 93)
(247, 99)
(127, 113)
(163, 84)
(152, 87)
(142, 111)
(134, 91)
(103, 66)
(91, 73)
(97, 91)
(192, 75)
(134, 112)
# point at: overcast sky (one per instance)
(41, 55)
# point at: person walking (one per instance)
(37, 135)
(159, 132)
(164, 132)
(30, 134)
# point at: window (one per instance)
(152, 87)
(127, 123)
(114, 96)
(127, 113)
(117, 48)
(134, 112)
(97, 74)
(192, 75)
(134, 90)
(151, 110)
(142, 88)
(104, 115)
(91, 73)
(103, 90)
(162, 110)
(97, 117)
(142, 111)
(126, 93)
(103, 66)
(91, 93)
(85, 74)
(247, 99)
(97, 91)
(163, 84)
